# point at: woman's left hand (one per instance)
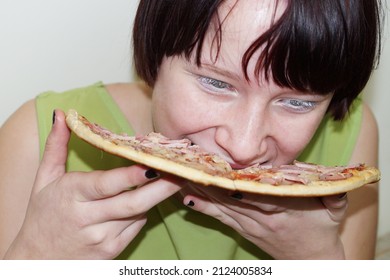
(284, 227)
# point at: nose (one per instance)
(246, 136)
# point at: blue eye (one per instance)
(216, 86)
(299, 105)
(215, 83)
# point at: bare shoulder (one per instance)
(19, 161)
(366, 149)
(21, 127)
(363, 203)
(132, 90)
(134, 100)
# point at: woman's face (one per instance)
(245, 122)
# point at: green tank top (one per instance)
(174, 231)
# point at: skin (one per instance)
(244, 121)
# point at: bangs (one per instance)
(304, 52)
(319, 49)
(321, 46)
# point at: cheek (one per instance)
(176, 113)
(293, 138)
(294, 143)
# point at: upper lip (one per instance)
(242, 166)
(238, 166)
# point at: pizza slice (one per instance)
(182, 158)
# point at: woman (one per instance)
(254, 81)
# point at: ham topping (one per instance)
(298, 172)
(184, 152)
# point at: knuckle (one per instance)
(135, 208)
(134, 175)
(69, 183)
(100, 185)
(275, 226)
(82, 219)
(270, 208)
(96, 238)
(142, 222)
(220, 217)
(110, 250)
(50, 145)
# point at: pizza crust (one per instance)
(198, 176)
(314, 188)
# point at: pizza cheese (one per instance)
(182, 158)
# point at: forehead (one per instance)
(236, 26)
(256, 15)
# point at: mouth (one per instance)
(236, 166)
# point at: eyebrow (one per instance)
(221, 71)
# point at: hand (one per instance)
(284, 227)
(84, 215)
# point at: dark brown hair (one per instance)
(320, 46)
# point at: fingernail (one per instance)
(151, 174)
(190, 203)
(342, 196)
(54, 117)
(237, 196)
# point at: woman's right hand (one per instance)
(81, 215)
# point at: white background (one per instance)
(59, 45)
(194, 269)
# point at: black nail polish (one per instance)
(237, 196)
(54, 117)
(151, 174)
(190, 203)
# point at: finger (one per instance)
(55, 155)
(260, 202)
(336, 206)
(135, 202)
(129, 233)
(242, 211)
(104, 184)
(250, 221)
(219, 204)
(266, 203)
(212, 208)
(108, 240)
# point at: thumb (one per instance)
(336, 206)
(55, 155)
